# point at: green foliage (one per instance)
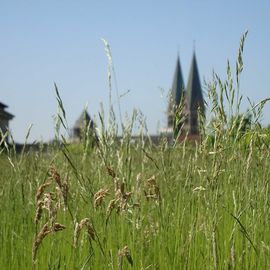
(134, 205)
(210, 213)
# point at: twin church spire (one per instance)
(185, 105)
(190, 99)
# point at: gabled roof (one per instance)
(178, 84)
(83, 120)
(194, 90)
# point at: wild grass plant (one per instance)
(135, 205)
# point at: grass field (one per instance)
(140, 206)
(189, 208)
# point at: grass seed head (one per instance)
(50, 207)
(111, 206)
(55, 175)
(37, 241)
(58, 227)
(111, 172)
(99, 196)
(79, 226)
(39, 210)
(65, 189)
(41, 190)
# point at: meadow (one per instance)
(134, 205)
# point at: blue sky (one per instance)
(43, 42)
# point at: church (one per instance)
(186, 104)
(185, 107)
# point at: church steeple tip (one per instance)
(194, 90)
(195, 101)
(178, 82)
(176, 91)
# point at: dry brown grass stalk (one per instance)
(41, 190)
(122, 197)
(79, 226)
(62, 193)
(58, 227)
(111, 206)
(48, 205)
(111, 172)
(39, 210)
(99, 196)
(59, 196)
(120, 201)
(63, 185)
(55, 175)
(152, 190)
(47, 201)
(65, 189)
(45, 230)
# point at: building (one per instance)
(185, 104)
(5, 117)
(83, 125)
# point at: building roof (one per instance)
(6, 115)
(194, 90)
(83, 120)
(3, 113)
(178, 84)
(3, 106)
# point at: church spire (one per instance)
(176, 92)
(194, 96)
(194, 90)
(178, 83)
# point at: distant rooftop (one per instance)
(4, 114)
(3, 106)
(83, 120)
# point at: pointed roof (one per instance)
(194, 90)
(4, 113)
(3, 106)
(83, 120)
(178, 84)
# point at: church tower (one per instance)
(192, 98)
(176, 94)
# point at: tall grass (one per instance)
(124, 205)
